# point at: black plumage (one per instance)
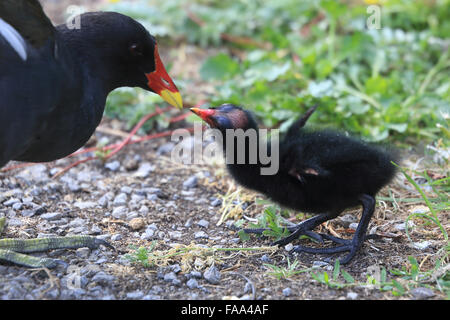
(321, 172)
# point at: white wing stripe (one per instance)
(13, 38)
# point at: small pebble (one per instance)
(126, 189)
(113, 166)
(287, 292)
(148, 234)
(422, 293)
(85, 205)
(212, 275)
(353, 225)
(131, 164)
(116, 237)
(195, 274)
(17, 206)
(201, 235)
(165, 148)
(144, 170)
(170, 277)
(191, 182)
(203, 223)
(120, 200)
(52, 216)
(10, 202)
(422, 245)
(188, 223)
(175, 268)
(83, 252)
(319, 264)
(103, 277)
(135, 295)
(192, 283)
(120, 212)
(352, 295)
(137, 224)
(216, 202)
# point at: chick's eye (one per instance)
(136, 50)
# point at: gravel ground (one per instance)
(141, 196)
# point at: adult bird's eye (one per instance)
(136, 50)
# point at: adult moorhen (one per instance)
(320, 172)
(53, 87)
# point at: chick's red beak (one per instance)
(161, 83)
(205, 114)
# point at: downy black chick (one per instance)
(320, 172)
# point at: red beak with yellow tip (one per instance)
(205, 114)
(161, 83)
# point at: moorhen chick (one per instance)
(320, 172)
(53, 87)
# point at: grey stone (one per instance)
(191, 182)
(203, 223)
(192, 283)
(195, 274)
(212, 275)
(11, 201)
(175, 268)
(113, 165)
(352, 295)
(85, 205)
(120, 212)
(135, 295)
(52, 216)
(287, 292)
(422, 293)
(188, 223)
(353, 225)
(102, 277)
(148, 234)
(216, 202)
(319, 264)
(144, 170)
(201, 235)
(83, 252)
(120, 200)
(165, 148)
(116, 237)
(126, 189)
(170, 277)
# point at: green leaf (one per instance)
(399, 287)
(348, 277)
(244, 236)
(325, 277)
(323, 68)
(399, 127)
(336, 270)
(376, 84)
(219, 67)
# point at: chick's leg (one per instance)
(304, 228)
(353, 245)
